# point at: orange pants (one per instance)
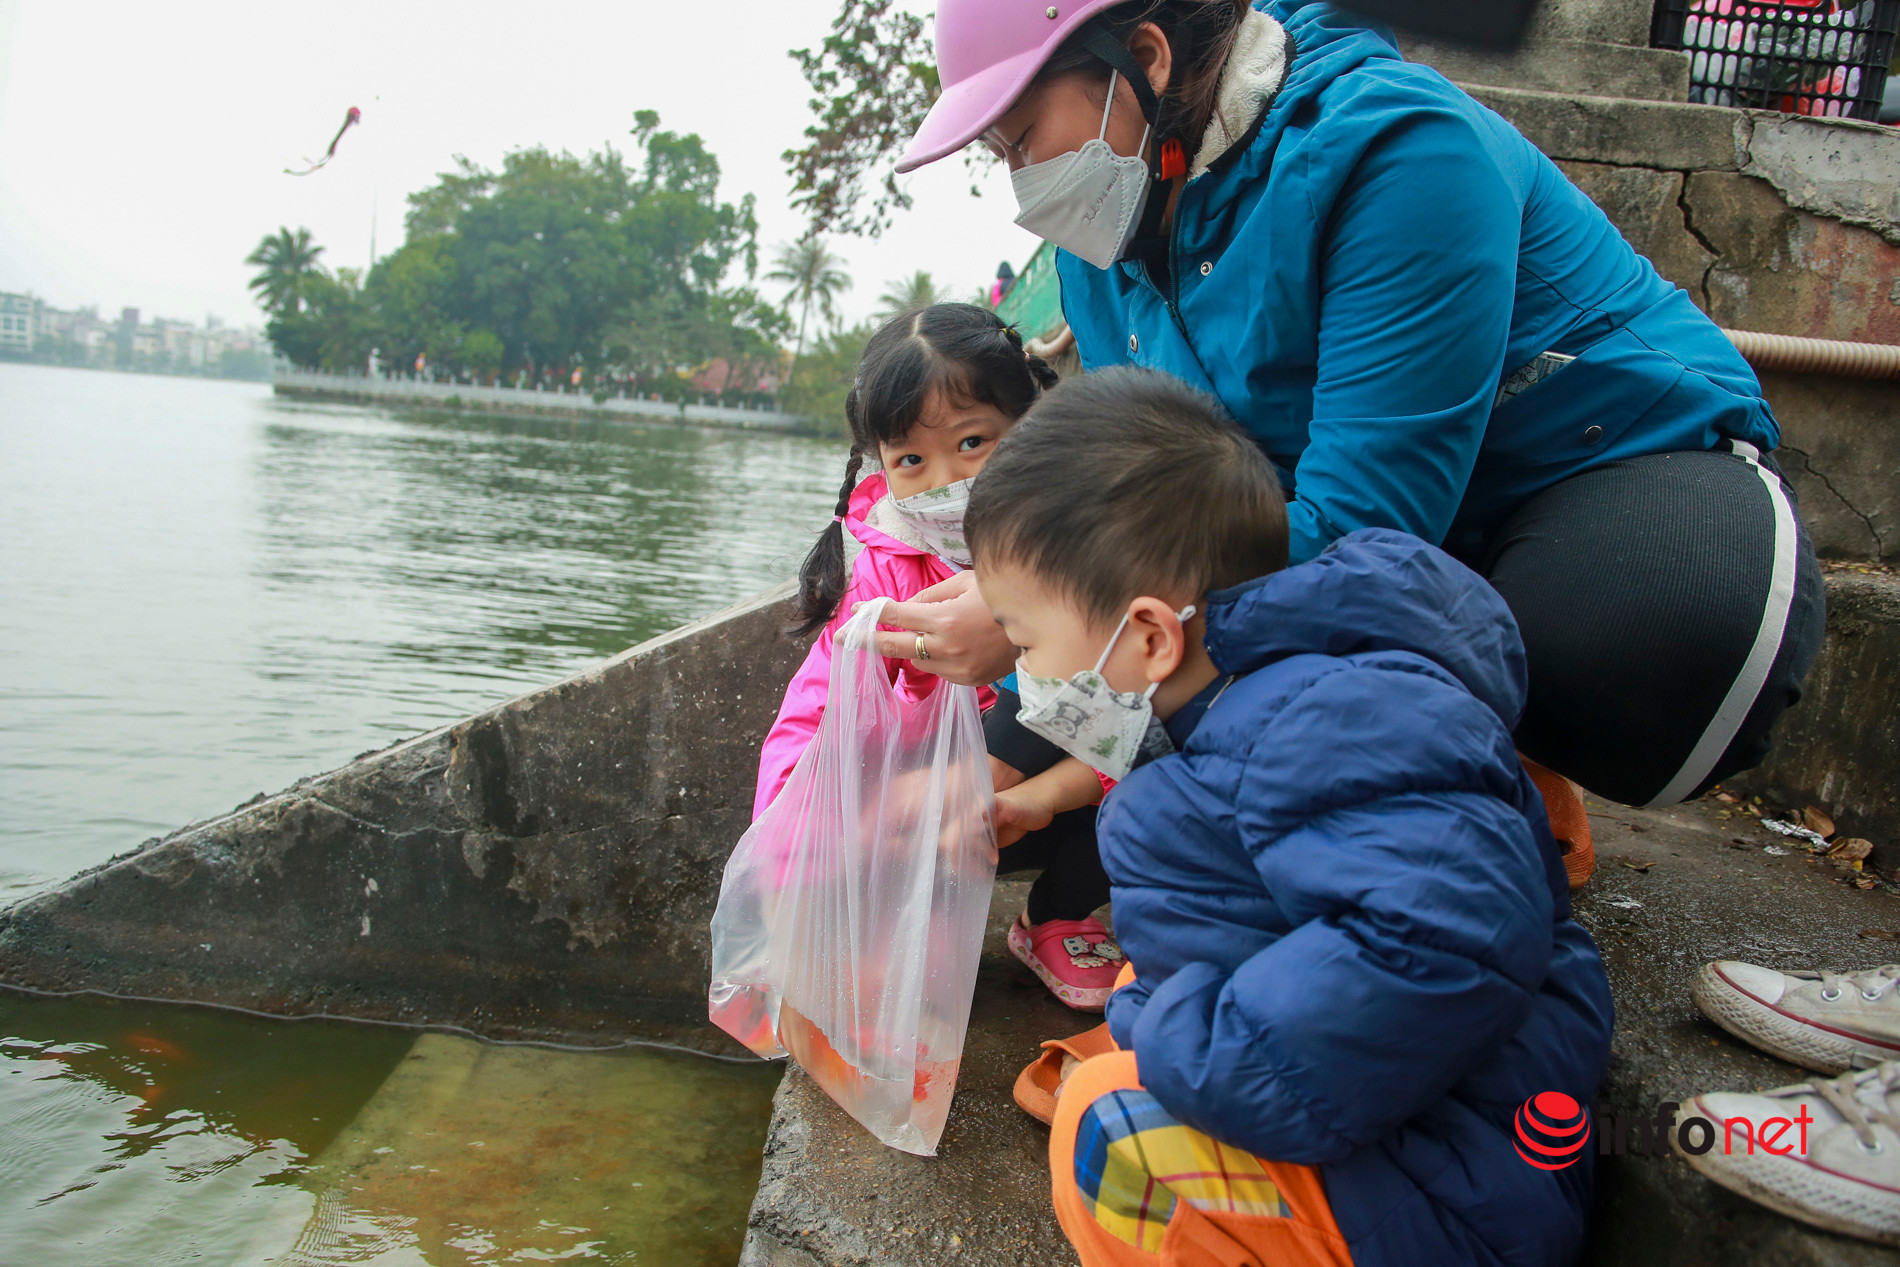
(1135, 1188)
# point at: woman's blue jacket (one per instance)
(1356, 277)
(1350, 924)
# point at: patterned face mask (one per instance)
(937, 516)
(1092, 721)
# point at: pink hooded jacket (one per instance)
(886, 568)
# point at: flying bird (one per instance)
(350, 120)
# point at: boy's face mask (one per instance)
(937, 516)
(1091, 720)
(1089, 201)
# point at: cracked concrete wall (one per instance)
(547, 868)
(1753, 262)
(1770, 222)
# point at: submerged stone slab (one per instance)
(546, 868)
(476, 1152)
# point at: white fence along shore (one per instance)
(429, 393)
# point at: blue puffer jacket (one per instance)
(1354, 278)
(1350, 921)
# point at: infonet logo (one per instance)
(1552, 1129)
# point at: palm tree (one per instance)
(815, 276)
(288, 264)
(915, 291)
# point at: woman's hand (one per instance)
(961, 639)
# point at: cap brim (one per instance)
(967, 110)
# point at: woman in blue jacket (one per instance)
(1426, 327)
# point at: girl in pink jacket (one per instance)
(935, 390)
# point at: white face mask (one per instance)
(1091, 720)
(937, 516)
(1088, 202)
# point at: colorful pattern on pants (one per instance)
(1133, 1162)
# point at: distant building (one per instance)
(35, 329)
(16, 324)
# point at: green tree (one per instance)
(918, 290)
(482, 352)
(821, 381)
(411, 297)
(815, 276)
(872, 80)
(613, 263)
(287, 264)
(331, 330)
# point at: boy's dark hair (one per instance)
(963, 350)
(1128, 482)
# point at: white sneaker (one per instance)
(1826, 1021)
(1842, 1168)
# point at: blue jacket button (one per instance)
(1134, 345)
(1592, 434)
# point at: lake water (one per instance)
(206, 593)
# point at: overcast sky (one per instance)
(142, 145)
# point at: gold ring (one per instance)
(922, 653)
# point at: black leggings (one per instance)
(1072, 884)
(1671, 606)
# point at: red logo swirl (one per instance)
(1552, 1129)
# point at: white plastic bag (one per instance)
(851, 914)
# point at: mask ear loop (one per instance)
(1184, 615)
(1101, 133)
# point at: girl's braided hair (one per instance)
(963, 350)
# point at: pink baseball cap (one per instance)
(988, 51)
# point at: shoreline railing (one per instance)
(409, 389)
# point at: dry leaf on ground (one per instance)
(1815, 819)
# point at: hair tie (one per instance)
(837, 519)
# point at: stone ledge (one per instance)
(1564, 65)
(1840, 746)
(544, 869)
(1842, 168)
(1670, 136)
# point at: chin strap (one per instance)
(1166, 159)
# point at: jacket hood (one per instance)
(1324, 44)
(1376, 590)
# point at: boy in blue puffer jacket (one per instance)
(1363, 1025)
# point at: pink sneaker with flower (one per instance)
(1076, 958)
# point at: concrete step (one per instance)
(1713, 892)
(1839, 748)
(831, 1195)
